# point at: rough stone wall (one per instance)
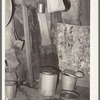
(73, 45)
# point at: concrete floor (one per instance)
(26, 93)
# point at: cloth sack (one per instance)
(55, 5)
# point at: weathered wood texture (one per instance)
(28, 43)
(36, 41)
(35, 37)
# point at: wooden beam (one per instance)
(27, 43)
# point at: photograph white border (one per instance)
(93, 50)
(94, 35)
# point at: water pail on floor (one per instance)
(69, 79)
(48, 81)
(69, 95)
(10, 89)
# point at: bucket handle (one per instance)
(79, 74)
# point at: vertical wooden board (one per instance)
(27, 43)
(35, 36)
(44, 29)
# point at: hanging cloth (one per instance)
(55, 5)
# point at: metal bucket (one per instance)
(69, 95)
(10, 89)
(68, 81)
(48, 81)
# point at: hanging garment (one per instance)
(55, 5)
(44, 29)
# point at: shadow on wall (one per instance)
(50, 59)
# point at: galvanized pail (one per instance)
(69, 79)
(48, 81)
(68, 82)
(69, 95)
(10, 89)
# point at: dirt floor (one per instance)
(26, 93)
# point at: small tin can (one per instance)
(41, 8)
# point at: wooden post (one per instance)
(27, 43)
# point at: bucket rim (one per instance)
(11, 83)
(70, 92)
(49, 70)
(67, 74)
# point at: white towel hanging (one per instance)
(55, 5)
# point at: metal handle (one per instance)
(79, 74)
